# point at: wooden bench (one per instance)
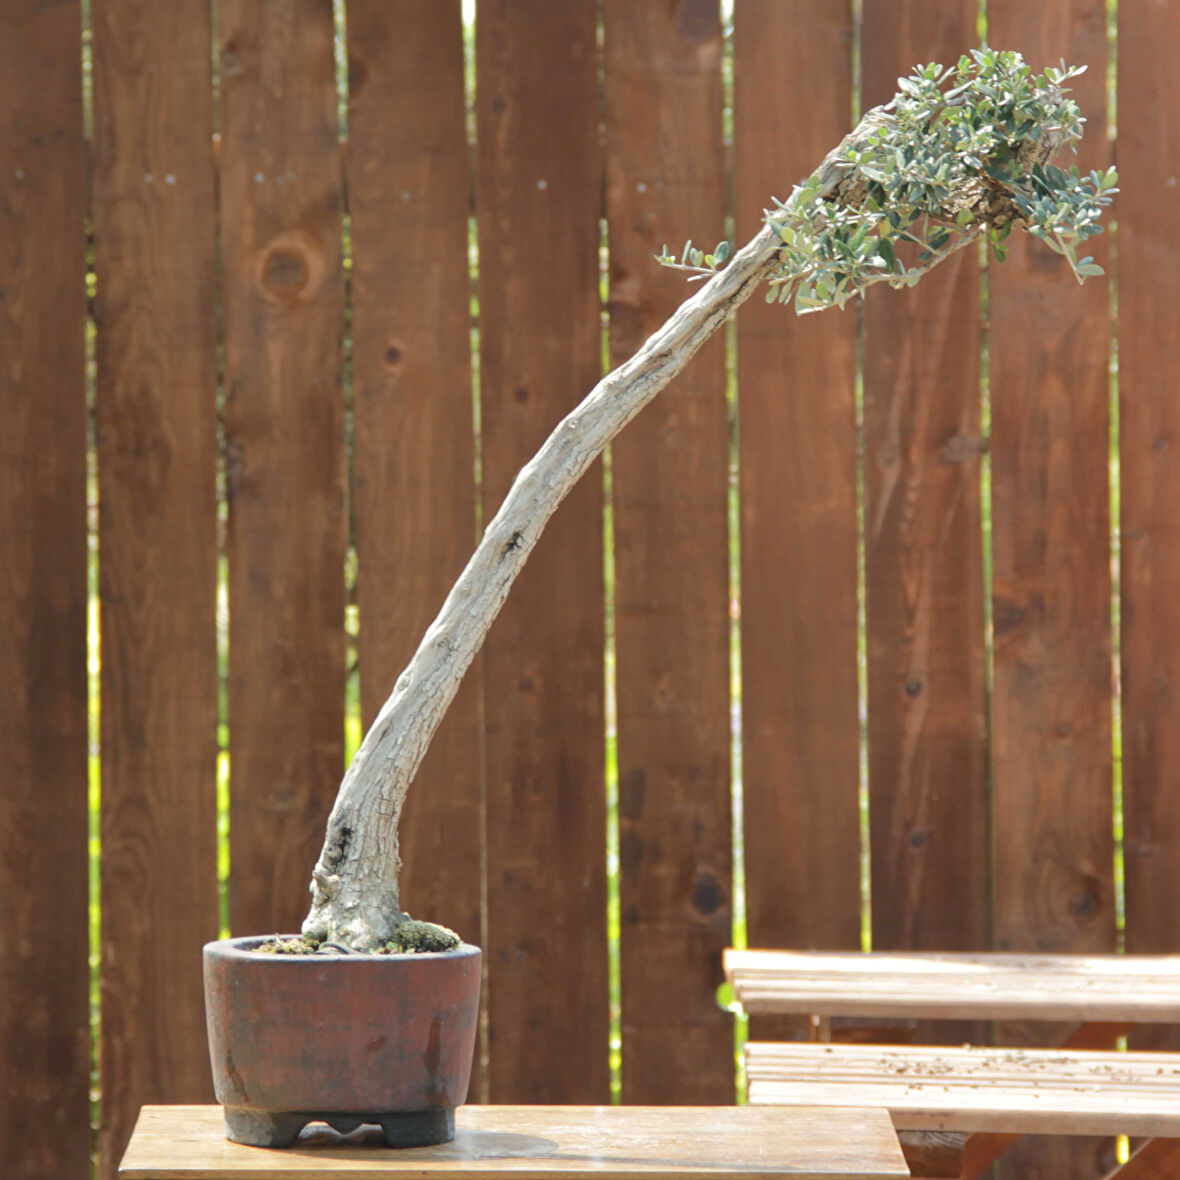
(976, 1092)
(542, 1143)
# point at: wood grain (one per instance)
(1073, 988)
(1149, 354)
(669, 487)
(281, 200)
(796, 381)
(940, 1088)
(44, 1034)
(414, 506)
(534, 1142)
(539, 201)
(1051, 704)
(155, 263)
(923, 559)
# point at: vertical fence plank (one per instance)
(539, 201)
(155, 238)
(665, 177)
(798, 453)
(1149, 424)
(283, 292)
(44, 1038)
(923, 559)
(1051, 705)
(408, 191)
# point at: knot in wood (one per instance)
(290, 268)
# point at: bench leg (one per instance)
(933, 1155)
(1157, 1159)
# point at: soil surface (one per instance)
(413, 938)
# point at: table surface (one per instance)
(950, 986)
(541, 1143)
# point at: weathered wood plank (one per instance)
(1074, 988)
(1052, 753)
(44, 1035)
(414, 507)
(281, 199)
(1051, 705)
(923, 559)
(155, 263)
(800, 747)
(535, 1142)
(1149, 420)
(539, 204)
(1034, 1091)
(669, 485)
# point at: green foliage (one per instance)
(959, 154)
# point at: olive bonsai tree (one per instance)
(959, 156)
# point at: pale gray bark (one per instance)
(355, 883)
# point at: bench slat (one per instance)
(1030, 1091)
(1134, 988)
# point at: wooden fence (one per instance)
(262, 296)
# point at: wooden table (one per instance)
(542, 1143)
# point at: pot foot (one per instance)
(418, 1128)
(415, 1128)
(257, 1128)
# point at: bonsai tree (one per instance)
(959, 156)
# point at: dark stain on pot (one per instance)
(707, 895)
(235, 1078)
(375, 1044)
(436, 1090)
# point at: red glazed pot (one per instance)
(340, 1038)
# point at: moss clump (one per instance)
(416, 938)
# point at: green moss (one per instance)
(414, 937)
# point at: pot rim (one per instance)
(243, 948)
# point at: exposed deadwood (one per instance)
(355, 882)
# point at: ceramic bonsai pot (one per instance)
(340, 1038)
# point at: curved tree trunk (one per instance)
(355, 883)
